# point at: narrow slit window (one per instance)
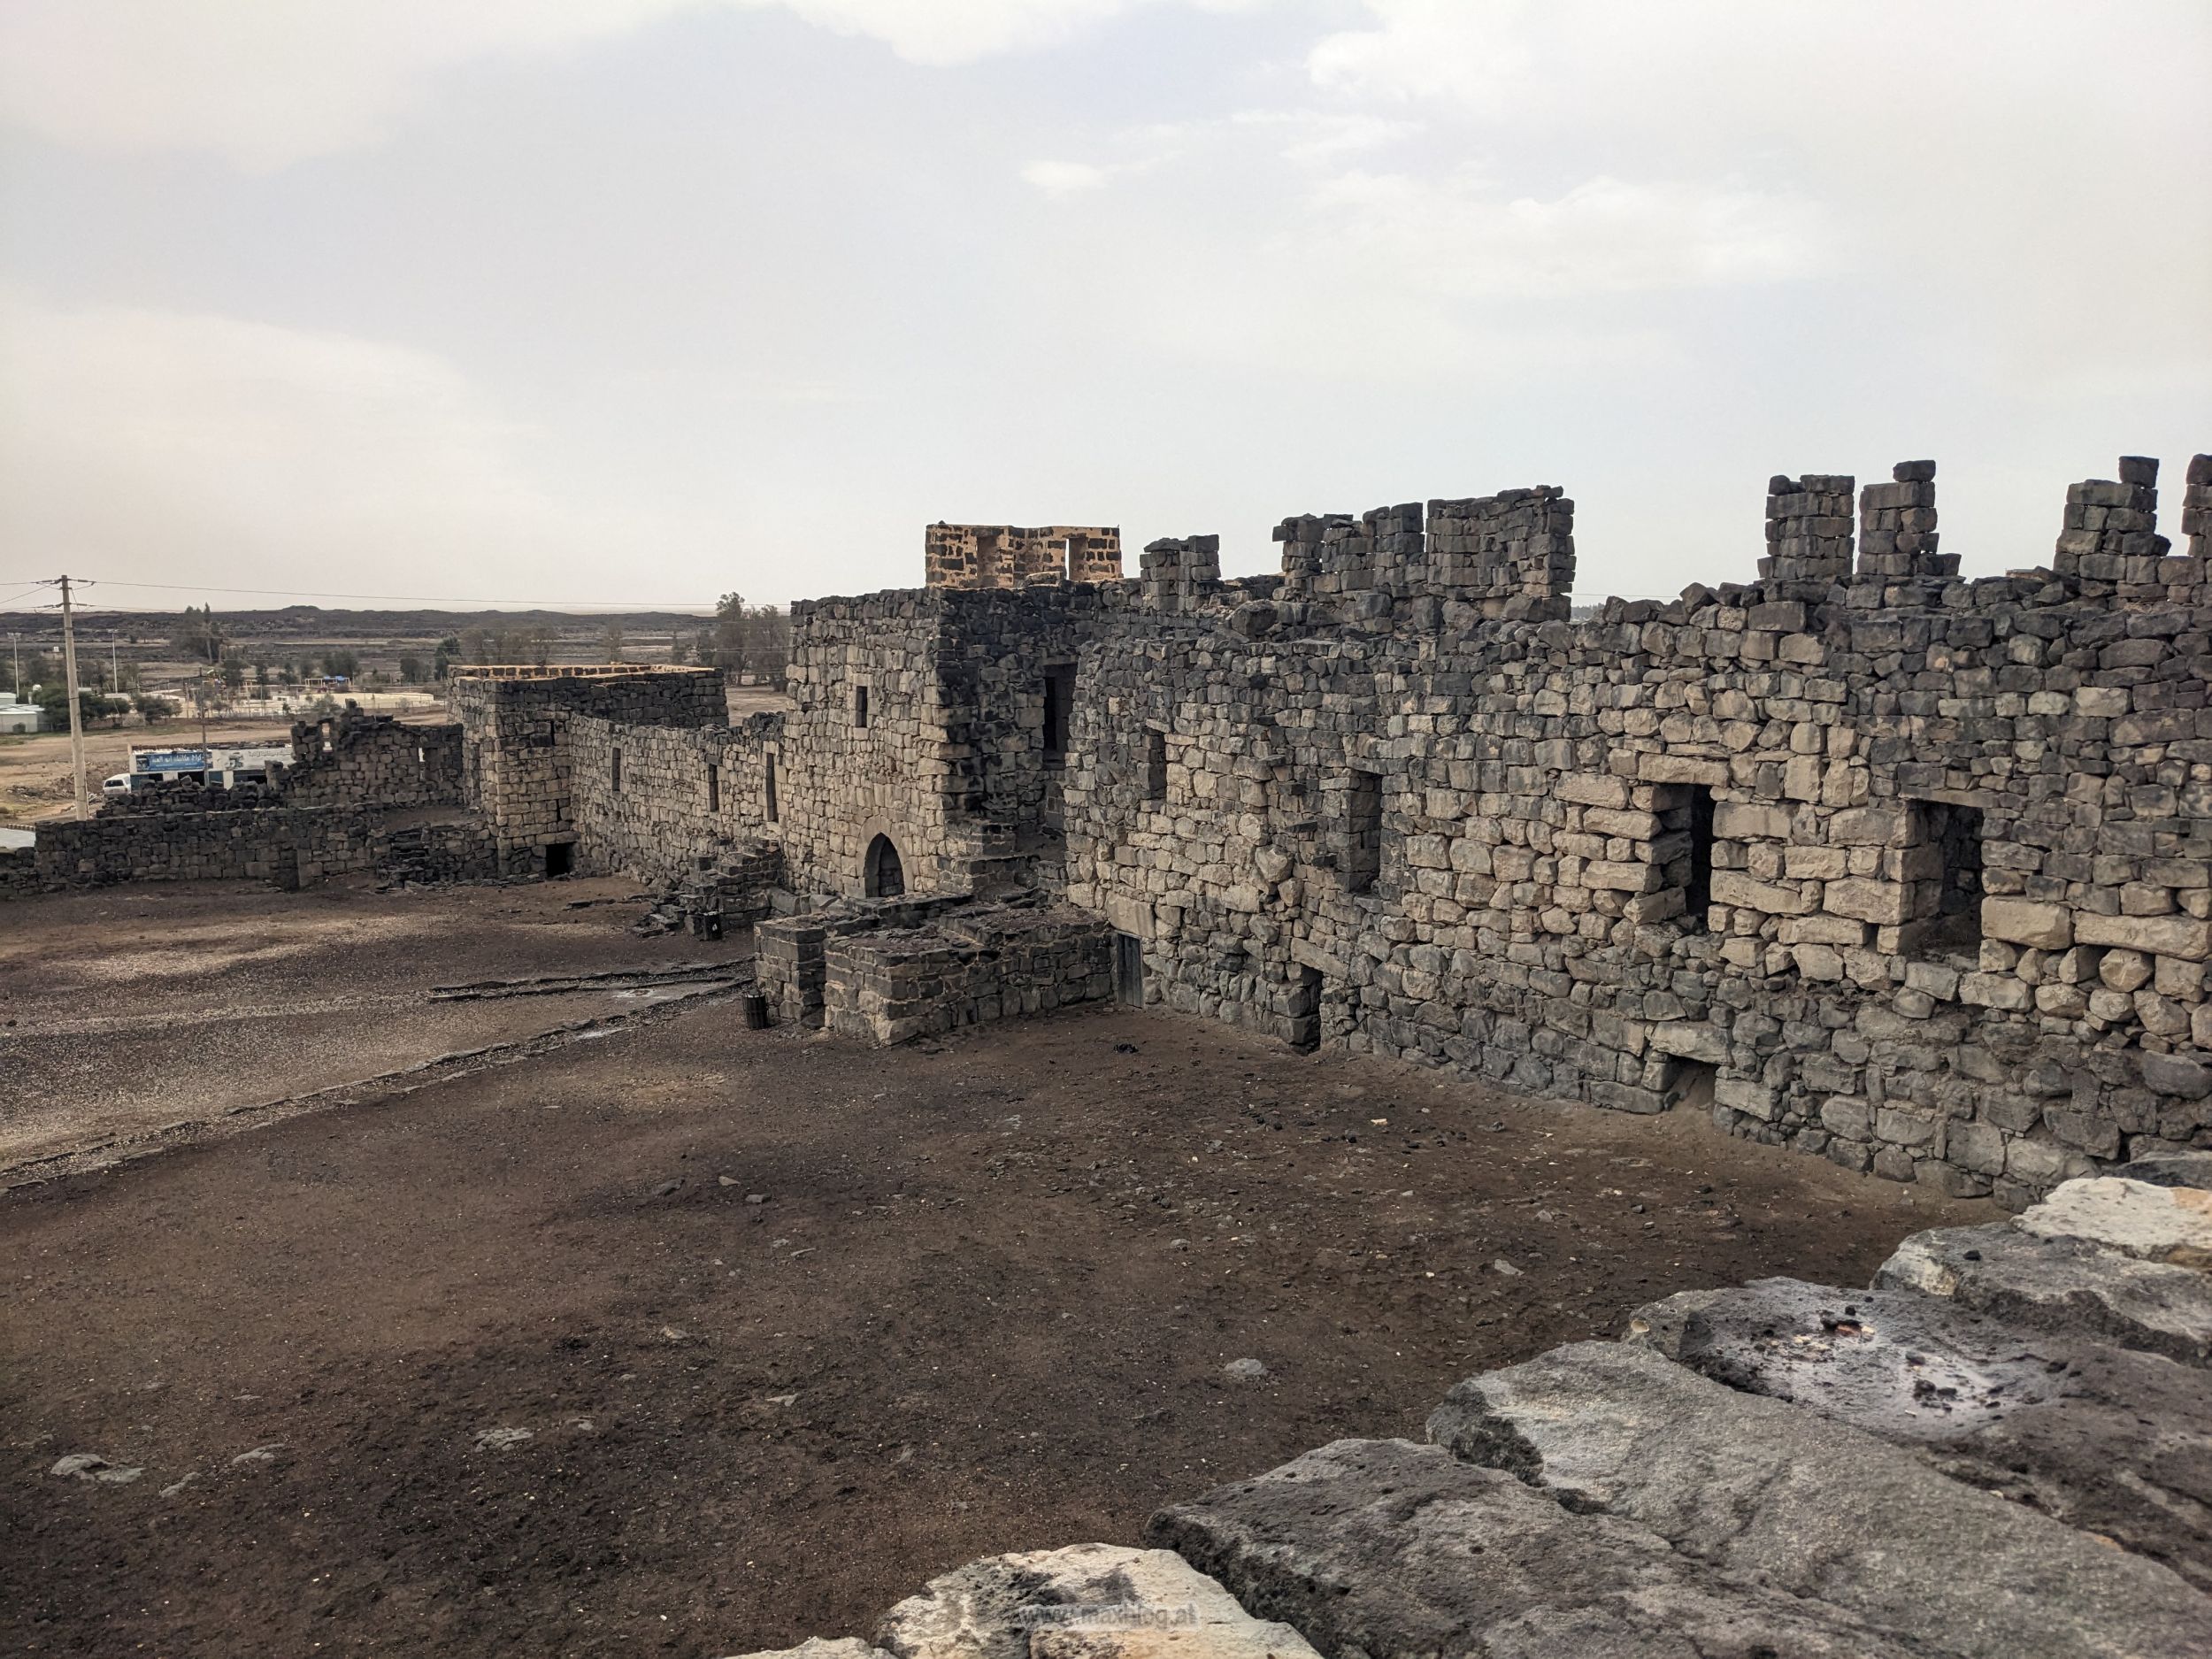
(860, 708)
(714, 788)
(1059, 687)
(1697, 887)
(769, 774)
(1155, 764)
(1363, 832)
(614, 771)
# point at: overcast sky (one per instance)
(647, 300)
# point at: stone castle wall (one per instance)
(373, 760)
(515, 767)
(350, 801)
(676, 792)
(1904, 870)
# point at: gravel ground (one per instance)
(692, 1340)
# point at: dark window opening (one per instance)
(860, 707)
(1305, 1010)
(560, 859)
(1155, 764)
(1129, 970)
(769, 774)
(1944, 863)
(614, 771)
(1693, 1085)
(1697, 889)
(882, 875)
(1059, 688)
(1363, 832)
(714, 788)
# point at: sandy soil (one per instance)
(694, 1340)
(129, 1009)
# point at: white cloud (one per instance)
(265, 83)
(1459, 237)
(1065, 178)
(296, 458)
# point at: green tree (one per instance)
(409, 669)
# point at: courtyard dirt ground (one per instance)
(681, 1338)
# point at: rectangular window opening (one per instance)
(1129, 970)
(1059, 689)
(769, 774)
(1155, 764)
(614, 771)
(1943, 861)
(1363, 832)
(1697, 887)
(1305, 1009)
(860, 708)
(714, 788)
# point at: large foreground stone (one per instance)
(1085, 1602)
(1391, 1550)
(2062, 1285)
(2108, 1439)
(2151, 1223)
(2170, 1168)
(1812, 1507)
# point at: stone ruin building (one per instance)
(1905, 869)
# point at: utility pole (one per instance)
(69, 673)
(115, 670)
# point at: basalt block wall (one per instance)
(648, 801)
(1908, 870)
(516, 766)
(331, 812)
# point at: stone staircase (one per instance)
(2002, 1451)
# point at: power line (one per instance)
(413, 599)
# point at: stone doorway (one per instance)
(882, 876)
(560, 859)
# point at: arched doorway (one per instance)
(882, 876)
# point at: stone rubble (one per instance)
(1781, 1469)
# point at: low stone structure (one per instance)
(363, 793)
(891, 970)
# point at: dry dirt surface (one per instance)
(689, 1339)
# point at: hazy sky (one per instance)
(644, 300)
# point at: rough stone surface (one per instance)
(1085, 1602)
(1395, 1551)
(819, 1647)
(2149, 1222)
(2060, 1285)
(2107, 1440)
(2171, 1169)
(1815, 1508)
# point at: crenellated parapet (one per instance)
(969, 555)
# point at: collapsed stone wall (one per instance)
(353, 800)
(1739, 844)
(372, 760)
